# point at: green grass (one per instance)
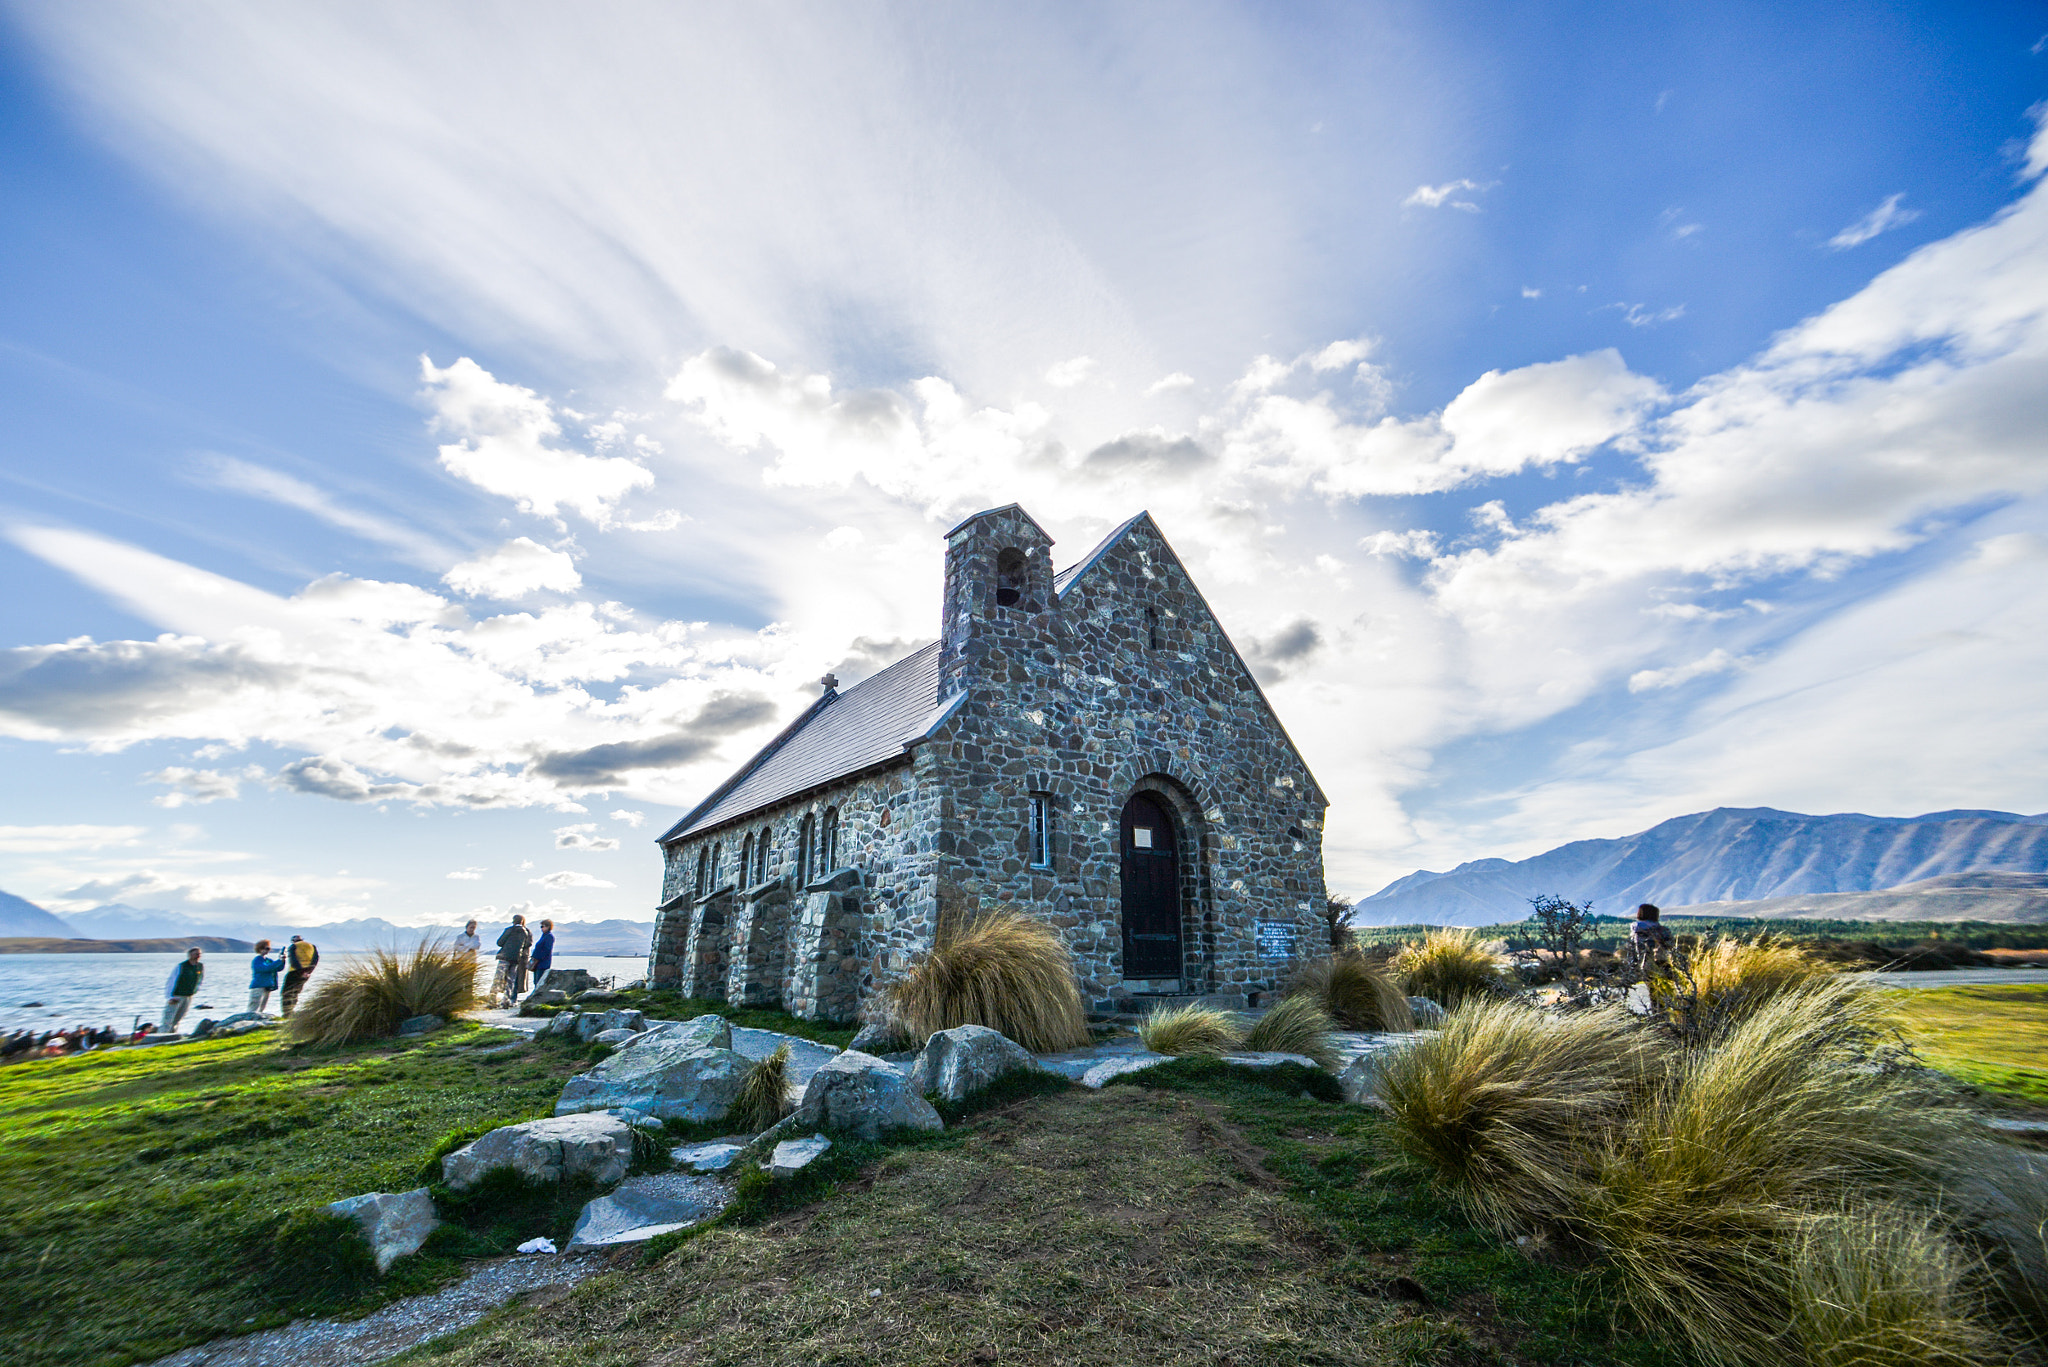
(1993, 1037)
(1608, 932)
(146, 1195)
(673, 1006)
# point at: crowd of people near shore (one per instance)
(523, 958)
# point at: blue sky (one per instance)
(442, 439)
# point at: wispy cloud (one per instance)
(1883, 218)
(1446, 195)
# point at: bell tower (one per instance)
(1000, 628)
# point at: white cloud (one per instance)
(1068, 373)
(567, 878)
(1717, 662)
(1637, 316)
(1417, 543)
(196, 787)
(1167, 384)
(67, 839)
(1531, 292)
(519, 567)
(632, 819)
(1883, 218)
(242, 898)
(580, 838)
(469, 875)
(502, 445)
(274, 486)
(1437, 196)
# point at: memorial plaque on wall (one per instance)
(1277, 939)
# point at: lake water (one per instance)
(113, 989)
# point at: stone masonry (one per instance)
(1074, 692)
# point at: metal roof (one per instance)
(842, 733)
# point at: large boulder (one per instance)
(669, 1072)
(597, 1146)
(864, 1096)
(880, 1037)
(966, 1059)
(395, 1223)
(792, 1156)
(699, 1032)
(1364, 1055)
(1428, 1014)
(648, 1206)
(568, 981)
(591, 1024)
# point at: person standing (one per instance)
(181, 987)
(263, 971)
(301, 957)
(512, 946)
(543, 952)
(1649, 939)
(469, 941)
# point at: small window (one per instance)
(717, 859)
(746, 860)
(804, 832)
(1151, 629)
(703, 872)
(761, 858)
(828, 841)
(1009, 577)
(1041, 831)
(1141, 837)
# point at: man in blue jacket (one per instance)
(180, 988)
(263, 971)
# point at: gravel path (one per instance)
(395, 1328)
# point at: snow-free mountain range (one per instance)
(1757, 861)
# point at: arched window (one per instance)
(717, 859)
(1151, 628)
(805, 829)
(746, 860)
(703, 871)
(828, 842)
(761, 856)
(1009, 576)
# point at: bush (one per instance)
(761, 1101)
(1511, 1107)
(1448, 967)
(1358, 993)
(1190, 1029)
(1298, 1025)
(1883, 1287)
(1002, 969)
(1725, 980)
(369, 996)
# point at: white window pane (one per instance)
(1141, 836)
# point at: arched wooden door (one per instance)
(1151, 890)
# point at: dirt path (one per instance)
(395, 1328)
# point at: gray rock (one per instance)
(699, 1032)
(671, 1078)
(597, 1146)
(562, 1023)
(861, 1094)
(1364, 1054)
(205, 1028)
(713, 1155)
(420, 1025)
(880, 1037)
(633, 986)
(242, 1017)
(638, 1119)
(805, 1056)
(240, 1028)
(395, 1223)
(546, 996)
(792, 1156)
(965, 1059)
(1268, 1060)
(614, 1037)
(567, 981)
(591, 1024)
(1098, 1075)
(644, 1207)
(1428, 1015)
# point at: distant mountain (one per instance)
(21, 917)
(119, 922)
(2020, 898)
(212, 944)
(1728, 855)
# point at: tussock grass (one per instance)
(1884, 1287)
(763, 1093)
(1358, 993)
(367, 997)
(1732, 978)
(1298, 1025)
(1448, 967)
(1511, 1107)
(1191, 1029)
(1002, 969)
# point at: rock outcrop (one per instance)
(965, 1059)
(675, 1071)
(862, 1095)
(597, 1146)
(395, 1223)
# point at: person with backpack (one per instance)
(263, 971)
(513, 943)
(1649, 940)
(301, 957)
(180, 988)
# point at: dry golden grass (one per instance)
(1002, 969)
(763, 1094)
(1191, 1029)
(1886, 1287)
(1448, 967)
(369, 995)
(1358, 993)
(1731, 978)
(1298, 1025)
(1511, 1107)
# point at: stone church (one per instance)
(1085, 746)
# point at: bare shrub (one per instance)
(1002, 969)
(369, 995)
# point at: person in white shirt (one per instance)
(469, 940)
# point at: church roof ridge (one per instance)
(1017, 508)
